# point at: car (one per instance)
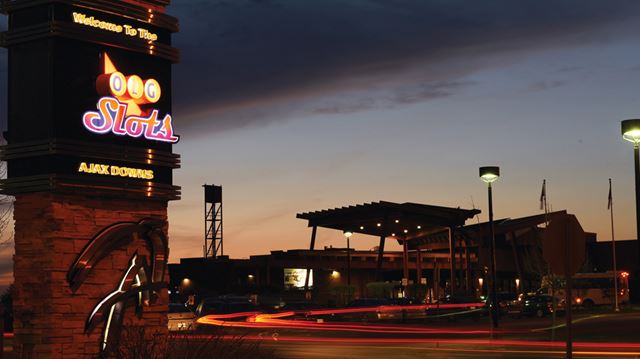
(181, 317)
(466, 307)
(369, 302)
(456, 299)
(300, 306)
(531, 304)
(405, 301)
(364, 309)
(402, 309)
(504, 299)
(225, 305)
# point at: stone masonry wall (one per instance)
(50, 232)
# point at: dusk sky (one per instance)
(295, 105)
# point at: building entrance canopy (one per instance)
(384, 219)
(403, 221)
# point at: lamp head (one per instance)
(347, 233)
(631, 130)
(489, 173)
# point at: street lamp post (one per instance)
(489, 175)
(348, 234)
(631, 133)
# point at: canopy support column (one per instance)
(380, 258)
(436, 279)
(418, 271)
(311, 247)
(452, 261)
(405, 263)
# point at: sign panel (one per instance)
(294, 278)
(127, 107)
(96, 113)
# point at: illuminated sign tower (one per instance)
(90, 162)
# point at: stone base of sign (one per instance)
(50, 232)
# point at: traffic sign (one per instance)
(564, 243)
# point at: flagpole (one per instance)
(543, 203)
(543, 198)
(613, 245)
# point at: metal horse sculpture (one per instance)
(141, 281)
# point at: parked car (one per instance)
(366, 309)
(369, 302)
(402, 309)
(300, 306)
(531, 304)
(181, 317)
(406, 301)
(504, 301)
(474, 309)
(456, 299)
(225, 305)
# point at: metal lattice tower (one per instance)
(213, 244)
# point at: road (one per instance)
(400, 351)
(595, 335)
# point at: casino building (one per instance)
(439, 249)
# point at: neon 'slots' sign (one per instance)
(120, 112)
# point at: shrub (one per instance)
(136, 343)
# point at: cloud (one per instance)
(427, 92)
(545, 85)
(249, 62)
(567, 69)
(394, 98)
(254, 62)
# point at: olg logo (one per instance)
(126, 88)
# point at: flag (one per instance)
(610, 203)
(543, 194)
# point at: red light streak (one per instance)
(274, 320)
(394, 308)
(232, 315)
(482, 342)
(278, 321)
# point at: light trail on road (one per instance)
(398, 337)
(486, 346)
(477, 352)
(275, 320)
